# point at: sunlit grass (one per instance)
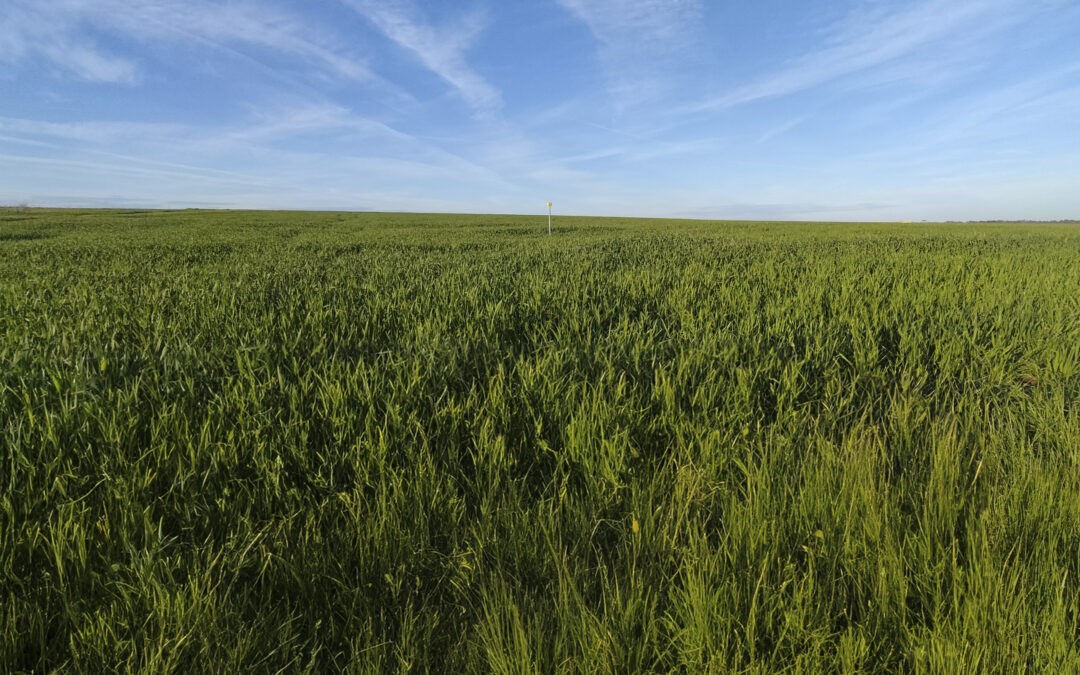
(236, 441)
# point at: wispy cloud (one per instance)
(441, 49)
(283, 144)
(47, 30)
(111, 183)
(954, 32)
(60, 31)
(779, 130)
(787, 211)
(642, 153)
(127, 168)
(639, 40)
(1012, 126)
(276, 122)
(89, 64)
(1015, 110)
(89, 131)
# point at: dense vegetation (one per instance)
(260, 441)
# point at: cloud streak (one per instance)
(48, 31)
(89, 132)
(60, 31)
(285, 144)
(639, 40)
(440, 49)
(871, 38)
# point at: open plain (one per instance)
(390, 442)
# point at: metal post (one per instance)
(549, 218)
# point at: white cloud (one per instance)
(275, 122)
(60, 31)
(651, 25)
(779, 130)
(89, 132)
(284, 145)
(86, 62)
(951, 34)
(441, 49)
(641, 42)
(28, 30)
(789, 211)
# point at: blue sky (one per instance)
(836, 109)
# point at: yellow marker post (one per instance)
(549, 218)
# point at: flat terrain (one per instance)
(383, 442)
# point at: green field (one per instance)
(236, 441)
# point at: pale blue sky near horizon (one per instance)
(830, 110)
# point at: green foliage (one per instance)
(385, 443)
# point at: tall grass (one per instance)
(312, 442)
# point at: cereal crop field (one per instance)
(331, 442)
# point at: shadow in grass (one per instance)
(531, 231)
(22, 236)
